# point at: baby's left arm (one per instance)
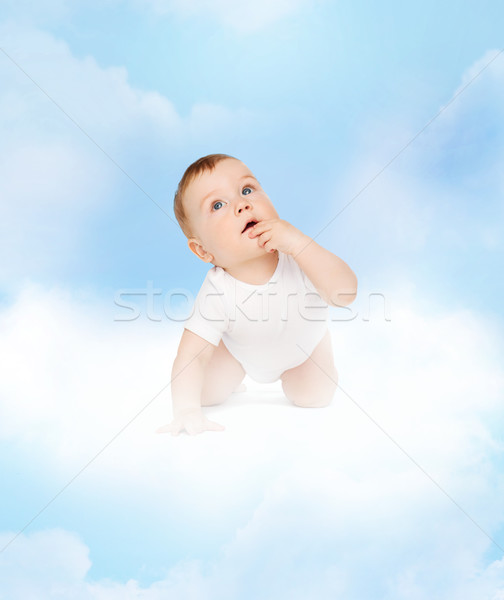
(333, 278)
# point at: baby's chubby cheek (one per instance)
(273, 214)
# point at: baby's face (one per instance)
(219, 204)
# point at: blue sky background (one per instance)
(316, 98)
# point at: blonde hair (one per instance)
(205, 163)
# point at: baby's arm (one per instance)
(188, 373)
(332, 277)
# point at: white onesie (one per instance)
(261, 325)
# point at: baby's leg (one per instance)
(313, 383)
(222, 376)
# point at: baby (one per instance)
(262, 309)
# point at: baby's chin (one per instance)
(254, 252)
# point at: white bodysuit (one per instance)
(268, 328)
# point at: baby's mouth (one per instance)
(249, 225)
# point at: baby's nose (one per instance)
(243, 205)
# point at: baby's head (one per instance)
(215, 199)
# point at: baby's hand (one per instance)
(277, 234)
(193, 421)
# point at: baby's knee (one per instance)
(319, 401)
(315, 397)
(311, 385)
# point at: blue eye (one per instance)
(216, 204)
(246, 188)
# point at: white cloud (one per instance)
(465, 141)
(53, 179)
(245, 17)
(45, 564)
(53, 564)
(337, 492)
(442, 193)
(316, 533)
(47, 332)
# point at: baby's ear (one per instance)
(198, 249)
